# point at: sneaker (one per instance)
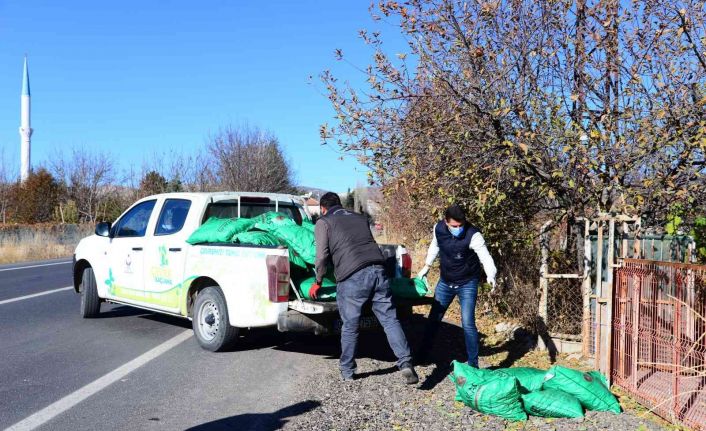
(410, 376)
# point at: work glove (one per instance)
(492, 286)
(423, 273)
(314, 289)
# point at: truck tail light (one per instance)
(406, 265)
(278, 278)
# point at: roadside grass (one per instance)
(28, 243)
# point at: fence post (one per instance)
(609, 301)
(598, 295)
(543, 280)
(636, 299)
(586, 288)
(676, 359)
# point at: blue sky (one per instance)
(144, 78)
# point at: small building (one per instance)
(312, 207)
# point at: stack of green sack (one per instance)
(514, 393)
(277, 229)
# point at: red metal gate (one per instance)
(659, 337)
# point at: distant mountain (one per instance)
(316, 193)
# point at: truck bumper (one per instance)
(294, 321)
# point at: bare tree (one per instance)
(246, 158)
(519, 108)
(90, 180)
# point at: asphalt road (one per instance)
(133, 370)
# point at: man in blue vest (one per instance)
(344, 238)
(462, 252)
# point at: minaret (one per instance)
(25, 127)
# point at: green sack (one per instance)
(590, 388)
(488, 392)
(530, 379)
(408, 287)
(219, 230)
(552, 403)
(272, 220)
(306, 224)
(298, 239)
(326, 293)
(256, 238)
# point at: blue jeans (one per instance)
(369, 283)
(443, 296)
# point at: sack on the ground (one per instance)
(530, 379)
(219, 230)
(408, 287)
(590, 388)
(488, 392)
(326, 293)
(552, 403)
(256, 238)
(472, 375)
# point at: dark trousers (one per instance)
(369, 283)
(443, 296)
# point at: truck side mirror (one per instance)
(103, 229)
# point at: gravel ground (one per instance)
(379, 400)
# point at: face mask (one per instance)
(456, 231)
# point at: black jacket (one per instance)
(344, 238)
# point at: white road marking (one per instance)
(53, 410)
(35, 266)
(34, 295)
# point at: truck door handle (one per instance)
(175, 249)
(137, 249)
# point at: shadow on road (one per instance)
(259, 421)
(121, 311)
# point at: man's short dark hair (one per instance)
(329, 200)
(455, 212)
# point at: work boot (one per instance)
(410, 376)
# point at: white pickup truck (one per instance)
(143, 260)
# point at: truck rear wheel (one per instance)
(210, 321)
(90, 302)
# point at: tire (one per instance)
(210, 321)
(90, 302)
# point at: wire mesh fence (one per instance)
(659, 337)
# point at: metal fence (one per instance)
(659, 337)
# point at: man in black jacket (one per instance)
(344, 238)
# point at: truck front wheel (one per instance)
(90, 302)
(210, 321)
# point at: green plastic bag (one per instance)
(530, 379)
(590, 388)
(298, 239)
(306, 224)
(256, 238)
(472, 376)
(408, 287)
(326, 293)
(272, 220)
(552, 403)
(488, 392)
(219, 230)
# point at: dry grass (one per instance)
(27, 243)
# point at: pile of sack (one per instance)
(514, 393)
(277, 229)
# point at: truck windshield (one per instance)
(229, 209)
